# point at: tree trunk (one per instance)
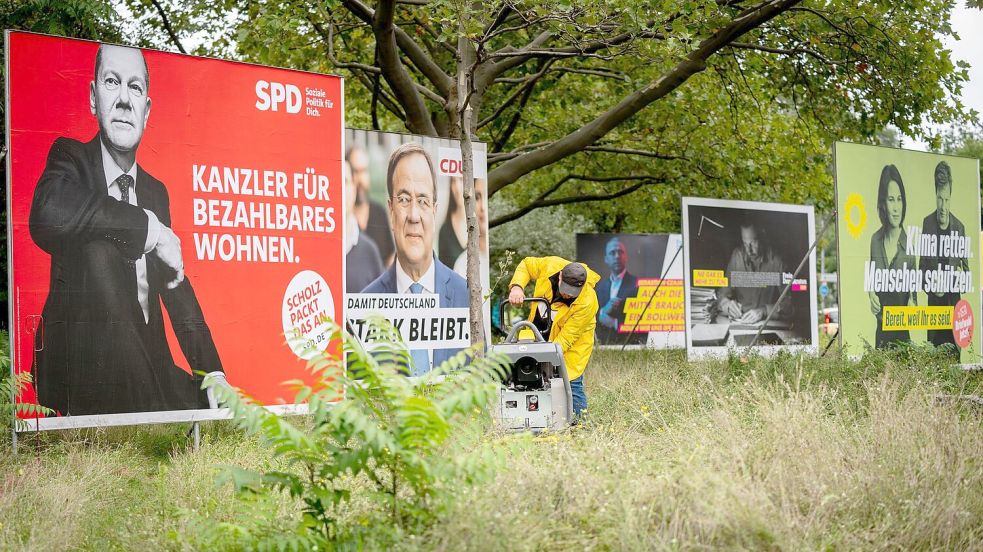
(465, 76)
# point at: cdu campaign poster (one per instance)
(640, 295)
(740, 256)
(908, 228)
(406, 239)
(170, 216)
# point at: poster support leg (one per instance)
(195, 434)
(788, 286)
(672, 262)
(13, 441)
(830, 344)
(822, 274)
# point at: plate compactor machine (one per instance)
(535, 395)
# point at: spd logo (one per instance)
(274, 96)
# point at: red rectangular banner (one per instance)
(169, 216)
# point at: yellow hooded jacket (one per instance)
(573, 326)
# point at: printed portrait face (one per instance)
(751, 240)
(359, 162)
(615, 256)
(350, 190)
(894, 205)
(118, 96)
(411, 210)
(481, 204)
(942, 197)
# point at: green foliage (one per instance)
(966, 143)
(199, 27)
(94, 19)
(402, 444)
(756, 124)
(551, 232)
(12, 386)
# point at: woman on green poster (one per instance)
(887, 250)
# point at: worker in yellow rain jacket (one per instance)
(569, 288)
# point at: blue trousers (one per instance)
(579, 397)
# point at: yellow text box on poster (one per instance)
(916, 318)
(665, 312)
(709, 278)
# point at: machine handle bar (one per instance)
(513, 336)
(549, 313)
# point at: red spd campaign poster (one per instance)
(170, 216)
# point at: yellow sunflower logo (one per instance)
(856, 214)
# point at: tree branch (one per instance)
(370, 81)
(516, 152)
(372, 69)
(822, 16)
(500, 18)
(435, 36)
(402, 84)
(513, 57)
(388, 102)
(693, 63)
(433, 73)
(488, 72)
(542, 200)
(167, 26)
(595, 72)
(798, 50)
(328, 36)
(630, 151)
(516, 94)
(506, 134)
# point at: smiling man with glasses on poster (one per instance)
(411, 186)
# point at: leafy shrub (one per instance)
(400, 444)
(11, 386)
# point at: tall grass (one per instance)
(790, 453)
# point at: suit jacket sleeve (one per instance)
(960, 229)
(72, 206)
(628, 290)
(603, 291)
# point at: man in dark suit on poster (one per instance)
(612, 294)
(106, 223)
(411, 185)
(942, 222)
(362, 259)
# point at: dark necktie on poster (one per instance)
(124, 182)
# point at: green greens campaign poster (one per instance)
(908, 229)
